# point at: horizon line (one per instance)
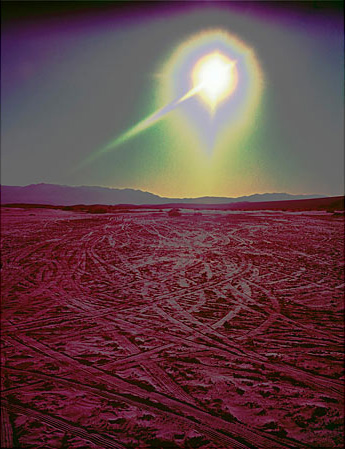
(321, 195)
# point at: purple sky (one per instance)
(76, 75)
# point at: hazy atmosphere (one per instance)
(75, 80)
(172, 225)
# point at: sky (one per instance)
(76, 79)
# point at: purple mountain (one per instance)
(58, 195)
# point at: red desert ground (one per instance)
(140, 328)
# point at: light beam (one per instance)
(141, 126)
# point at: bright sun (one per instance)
(215, 76)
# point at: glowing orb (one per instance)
(220, 65)
(216, 76)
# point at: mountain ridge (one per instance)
(56, 194)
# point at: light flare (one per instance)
(141, 126)
(229, 106)
(213, 66)
(217, 76)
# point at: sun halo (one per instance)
(215, 76)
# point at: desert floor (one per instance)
(140, 330)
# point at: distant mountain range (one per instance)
(59, 195)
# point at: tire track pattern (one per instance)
(173, 330)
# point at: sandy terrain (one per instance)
(142, 330)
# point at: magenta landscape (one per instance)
(172, 225)
(148, 330)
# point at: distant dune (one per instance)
(58, 195)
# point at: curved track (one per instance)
(139, 330)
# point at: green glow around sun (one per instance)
(209, 77)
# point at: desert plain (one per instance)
(141, 330)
